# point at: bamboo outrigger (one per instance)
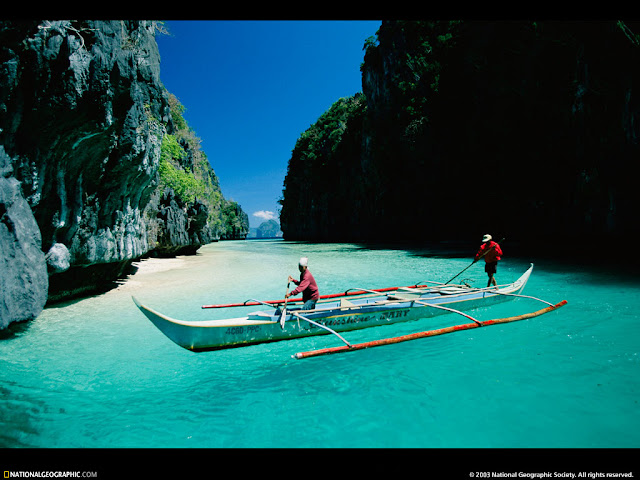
(430, 333)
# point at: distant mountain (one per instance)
(268, 229)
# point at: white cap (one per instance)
(303, 261)
(486, 238)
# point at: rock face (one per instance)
(526, 130)
(237, 221)
(329, 191)
(23, 282)
(83, 115)
(268, 229)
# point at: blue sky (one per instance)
(250, 88)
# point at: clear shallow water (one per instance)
(97, 373)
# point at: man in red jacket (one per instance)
(492, 253)
(307, 285)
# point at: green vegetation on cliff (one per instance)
(185, 169)
(471, 127)
(321, 175)
(414, 76)
(172, 175)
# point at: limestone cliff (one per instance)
(23, 270)
(327, 189)
(268, 229)
(83, 118)
(527, 130)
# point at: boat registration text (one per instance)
(329, 322)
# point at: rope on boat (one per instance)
(429, 333)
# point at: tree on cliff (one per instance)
(236, 221)
(322, 178)
(83, 115)
(549, 108)
(185, 169)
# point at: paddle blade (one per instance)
(284, 310)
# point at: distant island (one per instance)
(268, 229)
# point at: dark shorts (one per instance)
(309, 305)
(491, 267)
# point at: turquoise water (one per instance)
(97, 373)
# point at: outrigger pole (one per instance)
(492, 290)
(429, 333)
(437, 306)
(321, 326)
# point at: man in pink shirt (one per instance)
(307, 285)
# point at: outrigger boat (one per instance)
(354, 309)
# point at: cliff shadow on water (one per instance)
(466, 127)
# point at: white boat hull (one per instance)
(261, 327)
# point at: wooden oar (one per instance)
(284, 310)
(481, 256)
(429, 333)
